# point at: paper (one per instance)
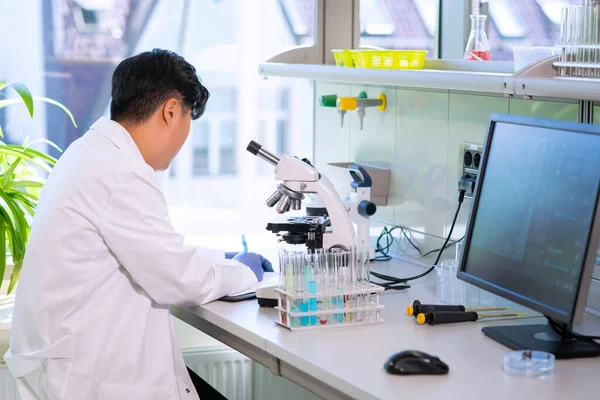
(269, 279)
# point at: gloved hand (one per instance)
(257, 263)
(230, 254)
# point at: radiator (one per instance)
(225, 369)
(231, 373)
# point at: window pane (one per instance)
(227, 147)
(399, 24)
(73, 51)
(523, 23)
(200, 139)
(221, 100)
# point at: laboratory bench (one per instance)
(347, 363)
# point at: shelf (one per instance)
(486, 82)
(522, 85)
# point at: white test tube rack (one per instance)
(357, 302)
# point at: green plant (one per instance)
(20, 184)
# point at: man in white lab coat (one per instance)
(103, 263)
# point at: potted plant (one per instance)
(20, 186)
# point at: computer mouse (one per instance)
(412, 362)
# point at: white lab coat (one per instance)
(91, 319)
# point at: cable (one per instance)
(567, 334)
(387, 234)
(392, 279)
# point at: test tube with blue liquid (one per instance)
(310, 282)
(301, 285)
(339, 286)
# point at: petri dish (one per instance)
(529, 363)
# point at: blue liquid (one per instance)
(303, 308)
(338, 304)
(312, 288)
(295, 309)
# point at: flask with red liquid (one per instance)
(477, 47)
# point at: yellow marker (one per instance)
(421, 319)
(347, 103)
(410, 310)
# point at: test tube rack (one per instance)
(327, 290)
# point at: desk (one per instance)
(348, 363)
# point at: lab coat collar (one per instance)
(118, 135)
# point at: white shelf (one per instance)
(468, 81)
(422, 79)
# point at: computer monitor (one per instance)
(534, 227)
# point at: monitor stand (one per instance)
(540, 338)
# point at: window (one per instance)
(523, 23)
(281, 137)
(552, 9)
(214, 188)
(227, 147)
(200, 139)
(506, 20)
(399, 24)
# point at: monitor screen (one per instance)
(533, 213)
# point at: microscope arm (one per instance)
(301, 177)
(341, 224)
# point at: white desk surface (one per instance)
(349, 362)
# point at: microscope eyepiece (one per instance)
(257, 149)
(254, 147)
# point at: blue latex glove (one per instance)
(230, 254)
(257, 263)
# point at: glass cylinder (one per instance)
(478, 47)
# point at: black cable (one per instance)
(412, 278)
(387, 233)
(566, 334)
(447, 247)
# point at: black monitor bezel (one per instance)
(576, 313)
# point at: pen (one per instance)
(244, 244)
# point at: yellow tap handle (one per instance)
(383, 99)
(347, 103)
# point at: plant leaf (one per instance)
(1, 136)
(8, 102)
(9, 174)
(25, 95)
(3, 249)
(15, 276)
(56, 103)
(23, 92)
(48, 142)
(16, 217)
(15, 184)
(28, 204)
(19, 154)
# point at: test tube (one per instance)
(310, 282)
(339, 285)
(595, 39)
(564, 21)
(301, 304)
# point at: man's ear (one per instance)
(169, 110)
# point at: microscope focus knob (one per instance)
(366, 208)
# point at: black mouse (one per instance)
(412, 362)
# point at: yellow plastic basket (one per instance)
(343, 58)
(389, 59)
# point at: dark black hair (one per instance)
(142, 83)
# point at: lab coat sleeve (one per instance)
(137, 229)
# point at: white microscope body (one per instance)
(299, 177)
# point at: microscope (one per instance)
(328, 226)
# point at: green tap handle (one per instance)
(328, 100)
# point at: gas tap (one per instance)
(360, 104)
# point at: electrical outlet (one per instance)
(469, 161)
